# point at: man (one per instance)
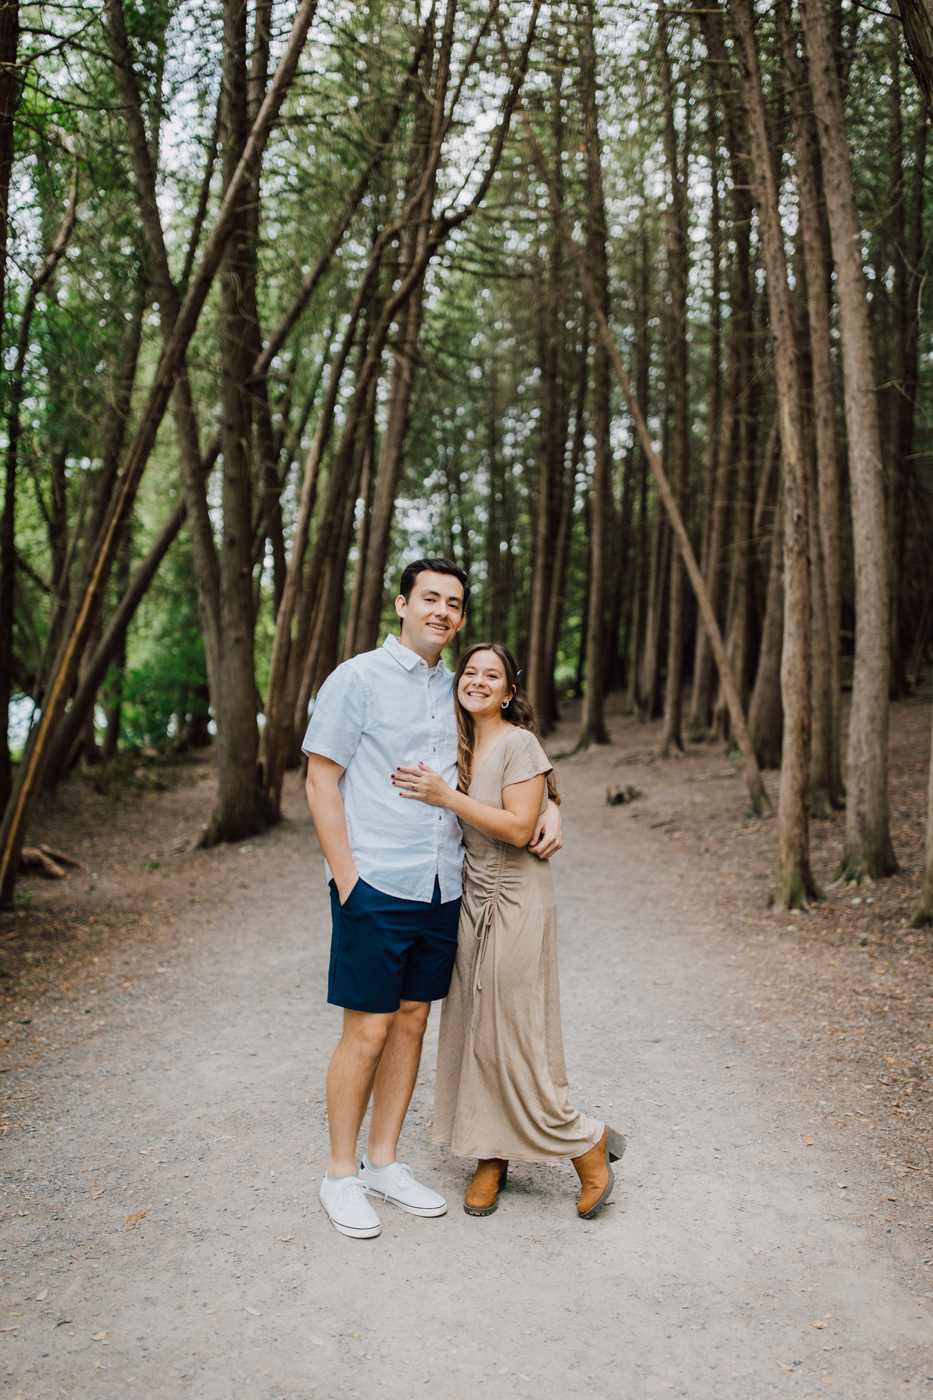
(394, 870)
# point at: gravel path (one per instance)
(735, 1260)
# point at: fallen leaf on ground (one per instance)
(130, 1380)
(259, 1314)
(98, 1336)
(809, 1142)
(135, 1216)
(63, 1321)
(817, 1325)
(43, 1294)
(94, 1198)
(785, 1366)
(284, 1239)
(316, 1340)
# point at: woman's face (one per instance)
(483, 689)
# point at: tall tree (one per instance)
(868, 846)
(678, 276)
(594, 725)
(795, 884)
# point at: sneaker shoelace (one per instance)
(352, 1194)
(404, 1178)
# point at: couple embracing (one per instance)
(436, 809)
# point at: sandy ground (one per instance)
(770, 1232)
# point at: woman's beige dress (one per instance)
(501, 1083)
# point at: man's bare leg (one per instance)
(350, 1078)
(394, 1081)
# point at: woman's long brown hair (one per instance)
(517, 712)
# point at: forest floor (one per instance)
(770, 1231)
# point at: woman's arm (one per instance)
(515, 824)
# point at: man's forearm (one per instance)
(330, 822)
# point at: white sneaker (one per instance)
(396, 1184)
(346, 1204)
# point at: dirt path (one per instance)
(736, 1260)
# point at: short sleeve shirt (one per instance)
(378, 710)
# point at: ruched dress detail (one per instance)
(501, 1081)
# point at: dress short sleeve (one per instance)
(523, 758)
(339, 716)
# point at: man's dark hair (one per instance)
(432, 566)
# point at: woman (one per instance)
(502, 1089)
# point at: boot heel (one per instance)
(615, 1144)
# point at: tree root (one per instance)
(854, 867)
(795, 891)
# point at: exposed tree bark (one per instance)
(917, 20)
(678, 273)
(240, 809)
(31, 771)
(868, 846)
(766, 711)
(594, 729)
(636, 695)
(815, 257)
(795, 884)
(923, 914)
(658, 573)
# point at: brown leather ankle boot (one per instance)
(596, 1178)
(482, 1194)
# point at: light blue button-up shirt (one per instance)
(374, 712)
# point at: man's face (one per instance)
(433, 615)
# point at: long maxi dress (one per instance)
(501, 1082)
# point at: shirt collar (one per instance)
(405, 656)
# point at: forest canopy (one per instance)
(622, 308)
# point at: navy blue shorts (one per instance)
(385, 950)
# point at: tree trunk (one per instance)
(113, 702)
(766, 711)
(239, 809)
(917, 19)
(636, 694)
(795, 884)
(565, 525)
(868, 846)
(554, 424)
(815, 257)
(923, 914)
(701, 693)
(594, 725)
(733, 444)
(678, 274)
